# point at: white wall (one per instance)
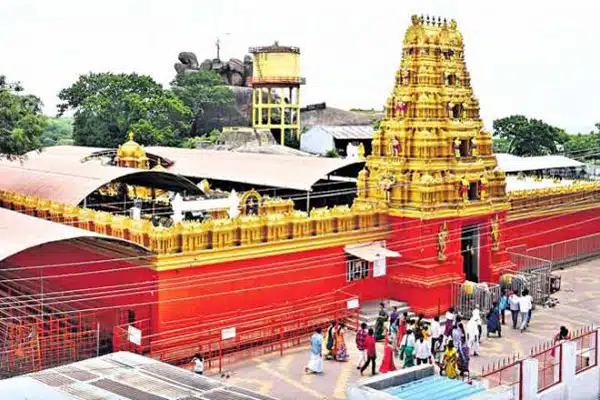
(316, 141)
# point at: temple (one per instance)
(169, 252)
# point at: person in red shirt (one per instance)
(371, 353)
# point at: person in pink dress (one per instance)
(387, 364)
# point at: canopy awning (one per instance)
(370, 251)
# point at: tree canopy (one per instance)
(107, 106)
(529, 137)
(203, 92)
(59, 131)
(201, 88)
(21, 119)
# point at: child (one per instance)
(198, 364)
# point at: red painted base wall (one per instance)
(540, 231)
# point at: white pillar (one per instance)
(569, 358)
(529, 379)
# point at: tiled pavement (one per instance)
(283, 377)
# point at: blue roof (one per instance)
(434, 387)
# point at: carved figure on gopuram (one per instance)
(432, 121)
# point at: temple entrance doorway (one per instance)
(470, 252)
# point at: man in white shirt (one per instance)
(422, 350)
(513, 304)
(524, 307)
(436, 333)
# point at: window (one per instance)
(356, 269)
(131, 316)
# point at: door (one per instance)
(470, 252)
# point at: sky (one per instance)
(536, 58)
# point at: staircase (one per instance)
(370, 309)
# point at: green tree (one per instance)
(107, 106)
(203, 92)
(201, 88)
(21, 120)
(529, 137)
(501, 145)
(582, 146)
(59, 131)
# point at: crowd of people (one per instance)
(415, 341)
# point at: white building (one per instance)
(320, 139)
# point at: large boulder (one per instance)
(234, 72)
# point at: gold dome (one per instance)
(131, 149)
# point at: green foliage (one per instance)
(199, 89)
(21, 120)
(59, 131)
(332, 153)
(582, 145)
(291, 140)
(376, 124)
(107, 106)
(211, 138)
(501, 145)
(529, 137)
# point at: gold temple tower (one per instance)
(431, 156)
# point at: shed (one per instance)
(320, 139)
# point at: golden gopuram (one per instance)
(431, 156)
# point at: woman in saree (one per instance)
(493, 322)
(330, 341)
(382, 318)
(450, 361)
(387, 364)
(407, 350)
(341, 353)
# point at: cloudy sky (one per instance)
(538, 58)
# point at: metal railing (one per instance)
(532, 273)
(549, 357)
(569, 252)
(508, 373)
(468, 295)
(587, 353)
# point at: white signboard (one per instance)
(379, 267)
(228, 333)
(134, 335)
(352, 303)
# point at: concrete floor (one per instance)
(284, 378)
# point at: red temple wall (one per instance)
(254, 283)
(539, 231)
(109, 274)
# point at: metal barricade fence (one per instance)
(467, 295)
(533, 274)
(569, 252)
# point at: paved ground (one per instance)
(283, 377)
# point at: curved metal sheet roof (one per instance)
(271, 170)
(19, 232)
(68, 181)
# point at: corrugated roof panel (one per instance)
(52, 379)
(181, 376)
(125, 390)
(348, 132)
(512, 163)
(76, 373)
(149, 384)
